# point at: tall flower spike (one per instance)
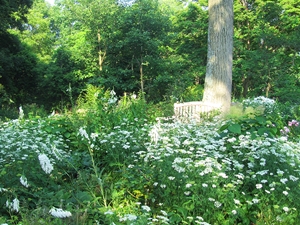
(45, 163)
(23, 181)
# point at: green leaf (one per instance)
(224, 127)
(261, 120)
(48, 129)
(67, 134)
(262, 130)
(83, 196)
(235, 128)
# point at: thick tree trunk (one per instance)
(218, 79)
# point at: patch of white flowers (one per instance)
(192, 150)
(19, 142)
(261, 101)
(23, 144)
(59, 213)
(14, 205)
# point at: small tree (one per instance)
(218, 79)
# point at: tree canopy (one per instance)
(158, 47)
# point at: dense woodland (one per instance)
(159, 47)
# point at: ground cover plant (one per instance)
(75, 169)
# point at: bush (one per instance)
(31, 168)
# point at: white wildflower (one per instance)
(218, 204)
(23, 181)
(199, 218)
(234, 212)
(263, 172)
(283, 180)
(154, 134)
(285, 192)
(2, 189)
(146, 208)
(280, 172)
(236, 201)
(59, 213)
(188, 185)
(231, 140)
(83, 133)
(164, 212)
(223, 175)
(45, 163)
(21, 113)
(131, 217)
(190, 218)
(286, 209)
(94, 136)
(14, 205)
(240, 176)
(292, 178)
(126, 146)
(163, 186)
(163, 218)
(258, 186)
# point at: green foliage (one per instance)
(265, 59)
(31, 163)
(257, 117)
(12, 14)
(132, 170)
(17, 74)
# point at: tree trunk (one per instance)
(218, 79)
(101, 53)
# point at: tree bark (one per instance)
(218, 79)
(101, 53)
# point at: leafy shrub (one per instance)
(31, 167)
(256, 116)
(112, 147)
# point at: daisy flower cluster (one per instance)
(28, 155)
(230, 176)
(117, 143)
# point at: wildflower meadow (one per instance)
(122, 161)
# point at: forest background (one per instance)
(49, 53)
